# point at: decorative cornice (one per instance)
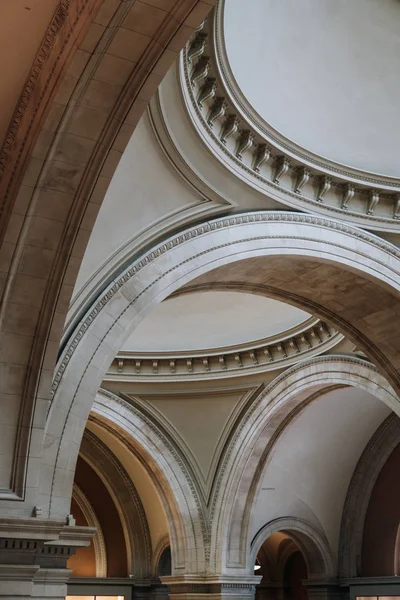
(308, 339)
(31, 528)
(211, 583)
(18, 573)
(192, 233)
(49, 531)
(266, 159)
(37, 68)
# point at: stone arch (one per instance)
(126, 500)
(357, 266)
(242, 466)
(162, 545)
(96, 69)
(92, 520)
(311, 542)
(365, 475)
(283, 557)
(164, 564)
(171, 475)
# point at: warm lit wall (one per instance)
(295, 572)
(301, 478)
(283, 569)
(382, 521)
(107, 514)
(83, 563)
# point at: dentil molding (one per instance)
(264, 158)
(304, 341)
(190, 234)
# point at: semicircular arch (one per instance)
(328, 268)
(373, 459)
(126, 500)
(183, 504)
(241, 470)
(312, 543)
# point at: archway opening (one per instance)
(282, 253)
(283, 569)
(380, 548)
(164, 566)
(93, 505)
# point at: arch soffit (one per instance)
(162, 545)
(241, 470)
(284, 553)
(310, 540)
(183, 503)
(379, 448)
(174, 263)
(96, 69)
(98, 540)
(126, 500)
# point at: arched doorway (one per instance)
(282, 566)
(164, 566)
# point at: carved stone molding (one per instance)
(308, 339)
(200, 251)
(44, 542)
(127, 501)
(162, 545)
(284, 395)
(194, 232)
(311, 541)
(219, 586)
(68, 25)
(70, 157)
(265, 158)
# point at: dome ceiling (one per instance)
(212, 319)
(323, 74)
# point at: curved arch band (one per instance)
(282, 238)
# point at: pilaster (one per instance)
(34, 554)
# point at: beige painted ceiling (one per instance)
(212, 319)
(148, 494)
(310, 467)
(23, 24)
(324, 73)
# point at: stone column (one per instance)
(34, 554)
(51, 584)
(219, 587)
(17, 581)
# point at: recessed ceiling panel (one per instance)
(212, 319)
(324, 73)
